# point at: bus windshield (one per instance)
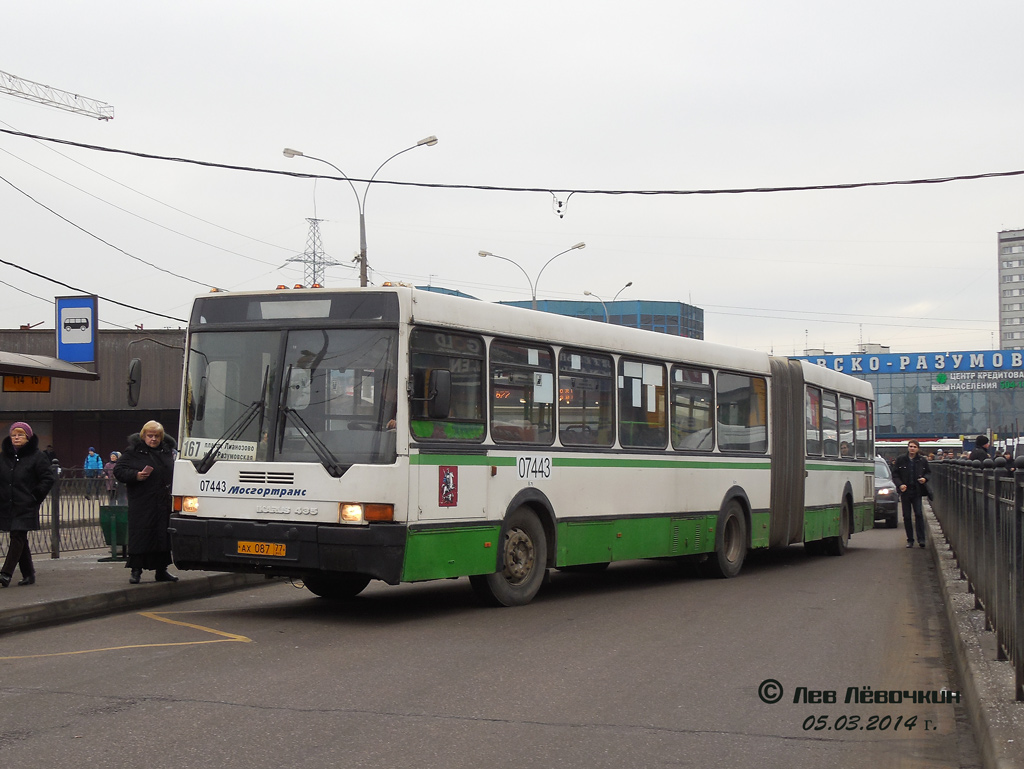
(299, 395)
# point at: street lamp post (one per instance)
(591, 293)
(621, 290)
(533, 283)
(430, 141)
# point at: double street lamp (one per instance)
(430, 141)
(534, 283)
(591, 293)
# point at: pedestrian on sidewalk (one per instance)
(980, 451)
(109, 479)
(93, 468)
(25, 479)
(146, 467)
(910, 473)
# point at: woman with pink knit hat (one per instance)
(25, 480)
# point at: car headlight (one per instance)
(886, 492)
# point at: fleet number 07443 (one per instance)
(531, 467)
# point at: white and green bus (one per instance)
(341, 436)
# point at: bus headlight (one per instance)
(351, 513)
(190, 505)
(355, 512)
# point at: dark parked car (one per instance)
(886, 496)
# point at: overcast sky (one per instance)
(655, 96)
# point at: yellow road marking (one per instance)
(158, 616)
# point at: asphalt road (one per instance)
(643, 665)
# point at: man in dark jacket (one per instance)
(910, 474)
(980, 450)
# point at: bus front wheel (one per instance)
(731, 541)
(523, 561)
(336, 587)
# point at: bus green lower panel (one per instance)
(819, 524)
(864, 516)
(582, 542)
(760, 528)
(450, 552)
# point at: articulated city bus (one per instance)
(341, 436)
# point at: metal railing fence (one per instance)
(980, 506)
(76, 501)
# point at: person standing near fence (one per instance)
(25, 479)
(910, 474)
(93, 468)
(110, 480)
(146, 467)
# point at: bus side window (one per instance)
(586, 399)
(830, 424)
(742, 413)
(812, 421)
(862, 429)
(643, 407)
(462, 356)
(846, 427)
(522, 393)
(692, 404)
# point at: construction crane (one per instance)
(54, 97)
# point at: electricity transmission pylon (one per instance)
(314, 258)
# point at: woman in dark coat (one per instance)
(145, 468)
(25, 480)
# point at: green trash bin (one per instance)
(114, 523)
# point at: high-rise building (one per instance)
(1011, 289)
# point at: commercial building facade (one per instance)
(939, 394)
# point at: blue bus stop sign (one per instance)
(77, 318)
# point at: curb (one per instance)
(997, 720)
(138, 597)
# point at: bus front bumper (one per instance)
(288, 549)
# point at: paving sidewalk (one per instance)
(79, 585)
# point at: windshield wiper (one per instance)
(324, 454)
(238, 427)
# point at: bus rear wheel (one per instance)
(731, 541)
(336, 587)
(838, 545)
(523, 561)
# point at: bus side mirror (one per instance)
(440, 397)
(134, 381)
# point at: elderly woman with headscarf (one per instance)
(25, 480)
(146, 467)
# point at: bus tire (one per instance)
(523, 560)
(337, 587)
(731, 542)
(838, 545)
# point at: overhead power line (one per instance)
(548, 190)
(83, 291)
(101, 240)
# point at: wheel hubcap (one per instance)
(520, 556)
